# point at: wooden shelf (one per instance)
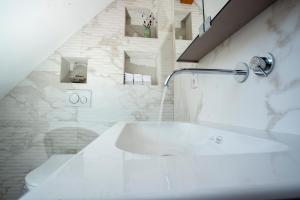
(233, 16)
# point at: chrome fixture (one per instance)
(206, 21)
(262, 66)
(205, 26)
(240, 72)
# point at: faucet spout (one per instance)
(241, 72)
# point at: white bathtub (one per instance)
(172, 160)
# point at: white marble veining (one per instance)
(30, 32)
(35, 123)
(33, 115)
(105, 171)
(270, 103)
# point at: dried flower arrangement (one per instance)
(148, 19)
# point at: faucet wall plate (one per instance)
(241, 67)
(262, 66)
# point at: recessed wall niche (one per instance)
(134, 22)
(183, 25)
(73, 70)
(141, 63)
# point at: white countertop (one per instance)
(102, 171)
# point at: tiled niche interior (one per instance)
(183, 25)
(134, 22)
(143, 63)
(73, 70)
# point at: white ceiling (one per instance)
(31, 30)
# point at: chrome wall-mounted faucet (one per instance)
(261, 66)
(241, 72)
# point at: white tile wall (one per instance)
(270, 103)
(34, 120)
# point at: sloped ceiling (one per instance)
(31, 30)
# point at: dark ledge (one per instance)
(233, 16)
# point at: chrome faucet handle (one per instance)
(262, 66)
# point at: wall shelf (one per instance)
(233, 16)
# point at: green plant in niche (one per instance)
(148, 22)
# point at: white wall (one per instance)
(31, 30)
(34, 113)
(271, 103)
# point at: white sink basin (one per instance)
(167, 139)
(129, 161)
